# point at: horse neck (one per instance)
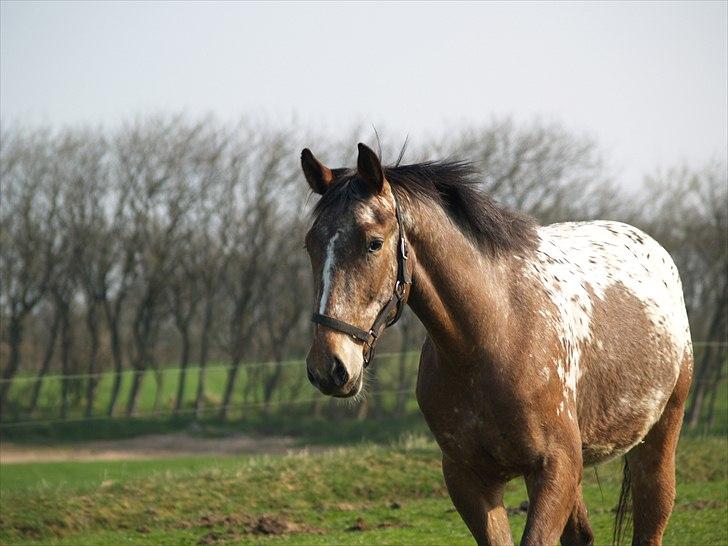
(458, 292)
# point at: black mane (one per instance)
(456, 187)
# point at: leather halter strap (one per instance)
(394, 305)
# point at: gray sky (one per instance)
(647, 80)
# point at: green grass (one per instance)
(247, 398)
(305, 429)
(335, 427)
(216, 376)
(366, 494)
(343, 496)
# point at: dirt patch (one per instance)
(212, 537)
(150, 446)
(271, 525)
(234, 527)
(361, 525)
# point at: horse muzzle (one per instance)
(330, 375)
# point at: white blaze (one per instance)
(328, 270)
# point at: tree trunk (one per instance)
(204, 344)
(716, 332)
(250, 392)
(714, 386)
(229, 388)
(184, 361)
(271, 383)
(46, 365)
(136, 383)
(143, 349)
(113, 324)
(66, 345)
(15, 334)
(159, 384)
(701, 381)
(93, 379)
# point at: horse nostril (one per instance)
(339, 373)
(311, 377)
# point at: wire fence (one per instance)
(187, 411)
(381, 390)
(175, 370)
(226, 367)
(292, 391)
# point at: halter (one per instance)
(395, 303)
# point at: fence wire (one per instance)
(226, 367)
(166, 370)
(186, 411)
(211, 409)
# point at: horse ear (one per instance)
(370, 169)
(318, 175)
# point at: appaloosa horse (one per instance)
(549, 347)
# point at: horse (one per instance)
(549, 348)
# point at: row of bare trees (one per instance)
(176, 241)
(113, 243)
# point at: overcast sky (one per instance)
(647, 80)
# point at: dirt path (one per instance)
(152, 446)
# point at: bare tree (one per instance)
(213, 251)
(286, 295)
(62, 290)
(195, 271)
(46, 362)
(27, 242)
(265, 168)
(538, 168)
(185, 294)
(686, 210)
(112, 242)
(84, 221)
(149, 155)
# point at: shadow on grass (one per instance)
(306, 430)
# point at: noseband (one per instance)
(395, 303)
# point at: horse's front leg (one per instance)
(479, 502)
(553, 488)
(578, 531)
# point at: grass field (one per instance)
(379, 482)
(247, 398)
(364, 494)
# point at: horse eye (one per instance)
(374, 245)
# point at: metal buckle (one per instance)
(403, 248)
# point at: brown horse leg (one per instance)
(652, 466)
(578, 532)
(551, 491)
(479, 503)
